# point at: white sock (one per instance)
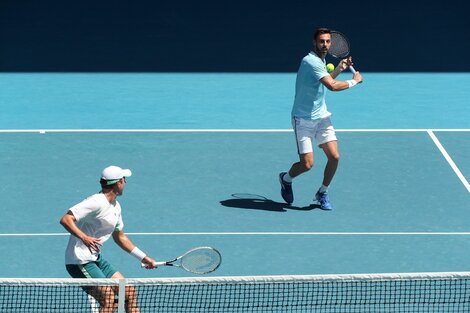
(287, 178)
(323, 188)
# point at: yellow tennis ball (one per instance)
(330, 67)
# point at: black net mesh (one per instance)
(449, 292)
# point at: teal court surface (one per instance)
(206, 151)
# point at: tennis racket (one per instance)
(340, 47)
(201, 260)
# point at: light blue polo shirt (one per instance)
(309, 102)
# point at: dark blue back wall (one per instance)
(228, 36)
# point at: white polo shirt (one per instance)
(97, 218)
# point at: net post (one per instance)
(122, 296)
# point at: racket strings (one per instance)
(201, 261)
(339, 46)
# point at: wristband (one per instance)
(138, 254)
(351, 83)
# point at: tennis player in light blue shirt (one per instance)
(311, 119)
(309, 101)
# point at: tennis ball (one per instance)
(330, 67)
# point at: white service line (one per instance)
(305, 234)
(43, 131)
(264, 234)
(449, 160)
(429, 131)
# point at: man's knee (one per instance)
(334, 157)
(307, 164)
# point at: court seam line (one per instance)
(262, 234)
(449, 160)
(216, 130)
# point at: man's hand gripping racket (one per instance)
(201, 260)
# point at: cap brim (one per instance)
(126, 173)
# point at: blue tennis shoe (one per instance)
(286, 189)
(323, 200)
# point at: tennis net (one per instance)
(405, 292)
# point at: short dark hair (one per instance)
(321, 31)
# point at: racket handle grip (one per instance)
(351, 68)
(154, 264)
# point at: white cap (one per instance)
(114, 173)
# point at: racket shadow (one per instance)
(258, 202)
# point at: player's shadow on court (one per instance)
(257, 202)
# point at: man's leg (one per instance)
(105, 295)
(331, 151)
(332, 154)
(305, 163)
(304, 131)
(131, 296)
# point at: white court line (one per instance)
(42, 131)
(307, 233)
(429, 131)
(449, 160)
(264, 234)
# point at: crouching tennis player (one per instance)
(91, 223)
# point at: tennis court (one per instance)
(206, 149)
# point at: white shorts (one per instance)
(305, 130)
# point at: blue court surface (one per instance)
(206, 151)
